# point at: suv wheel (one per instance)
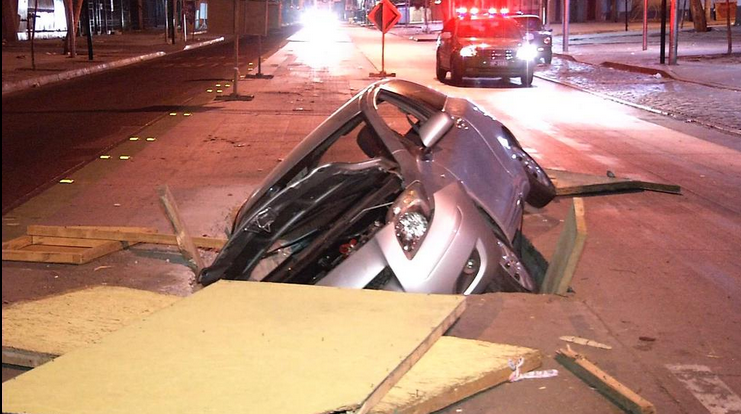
(527, 78)
(456, 72)
(439, 71)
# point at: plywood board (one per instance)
(452, 370)
(238, 347)
(572, 183)
(59, 324)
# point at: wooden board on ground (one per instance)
(618, 393)
(571, 183)
(245, 346)
(37, 331)
(128, 234)
(45, 249)
(568, 251)
(452, 370)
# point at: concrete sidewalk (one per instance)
(109, 52)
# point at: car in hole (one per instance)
(403, 188)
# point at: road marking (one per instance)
(710, 390)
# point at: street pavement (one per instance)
(213, 157)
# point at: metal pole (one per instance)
(626, 15)
(383, 50)
(662, 47)
(673, 28)
(565, 29)
(259, 55)
(236, 50)
(86, 8)
(728, 25)
(645, 24)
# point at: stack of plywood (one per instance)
(260, 347)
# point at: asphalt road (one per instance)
(49, 132)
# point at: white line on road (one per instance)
(710, 390)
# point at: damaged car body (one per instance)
(403, 188)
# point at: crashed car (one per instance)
(403, 188)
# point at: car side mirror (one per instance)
(435, 128)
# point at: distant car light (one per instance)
(493, 10)
(504, 10)
(462, 10)
(474, 11)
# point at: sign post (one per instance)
(384, 16)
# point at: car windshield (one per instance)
(530, 23)
(488, 28)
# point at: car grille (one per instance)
(502, 54)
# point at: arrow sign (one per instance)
(384, 15)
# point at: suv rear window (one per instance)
(488, 28)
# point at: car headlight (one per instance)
(468, 51)
(411, 214)
(527, 52)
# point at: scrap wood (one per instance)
(185, 243)
(568, 251)
(584, 341)
(64, 250)
(572, 183)
(355, 337)
(454, 369)
(128, 234)
(621, 395)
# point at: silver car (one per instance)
(403, 188)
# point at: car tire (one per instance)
(548, 57)
(527, 78)
(456, 72)
(439, 71)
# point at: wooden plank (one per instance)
(571, 183)
(23, 358)
(101, 250)
(241, 347)
(59, 324)
(44, 256)
(452, 370)
(18, 243)
(129, 234)
(185, 243)
(68, 241)
(568, 250)
(618, 393)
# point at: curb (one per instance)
(10, 87)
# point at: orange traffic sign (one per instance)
(384, 15)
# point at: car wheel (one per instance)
(456, 72)
(439, 71)
(548, 57)
(527, 78)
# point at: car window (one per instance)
(530, 23)
(356, 142)
(488, 28)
